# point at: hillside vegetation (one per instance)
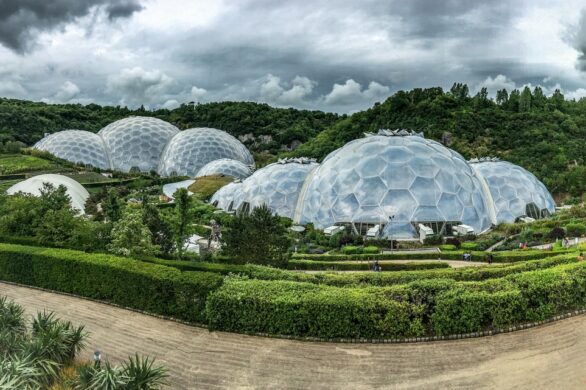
(546, 135)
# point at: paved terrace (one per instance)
(550, 356)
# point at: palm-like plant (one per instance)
(142, 375)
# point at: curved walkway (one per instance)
(551, 356)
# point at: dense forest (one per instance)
(546, 135)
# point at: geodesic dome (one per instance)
(137, 142)
(227, 167)
(33, 185)
(191, 149)
(277, 185)
(226, 197)
(395, 174)
(170, 189)
(77, 146)
(515, 192)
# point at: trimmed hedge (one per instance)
(362, 266)
(370, 278)
(127, 282)
(426, 307)
(498, 257)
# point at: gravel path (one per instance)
(550, 356)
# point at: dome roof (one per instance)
(191, 149)
(277, 185)
(77, 146)
(403, 175)
(226, 197)
(515, 192)
(137, 142)
(33, 185)
(227, 167)
(170, 189)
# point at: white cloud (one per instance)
(136, 86)
(293, 93)
(577, 94)
(67, 91)
(170, 104)
(197, 93)
(351, 93)
(494, 84)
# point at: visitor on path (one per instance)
(489, 258)
(581, 256)
(376, 266)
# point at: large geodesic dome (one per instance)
(191, 149)
(33, 186)
(397, 180)
(227, 167)
(77, 146)
(137, 142)
(277, 185)
(228, 196)
(515, 192)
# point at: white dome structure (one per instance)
(514, 191)
(227, 197)
(170, 189)
(137, 142)
(192, 149)
(227, 167)
(398, 180)
(277, 185)
(77, 146)
(33, 185)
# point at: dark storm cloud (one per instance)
(580, 42)
(22, 20)
(123, 9)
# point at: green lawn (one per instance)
(17, 163)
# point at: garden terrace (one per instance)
(258, 299)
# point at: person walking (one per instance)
(489, 258)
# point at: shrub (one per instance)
(448, 247)
(127, 282)
(453, 241)
(557, 233)
(469, 246)
(575, 229)
(370, 250)
(434, 239)
(350, 250)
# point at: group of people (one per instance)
(376, 267)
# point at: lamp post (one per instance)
(391, 229)
(97, 359)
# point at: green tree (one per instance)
(130, 236)
(111, 206)
(258, 237)
(502, 97)
(160, 229)
(182, 219)
(525, 100)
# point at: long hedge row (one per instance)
(327, 305)
(131, 283)
(419, 308)
(362, 266)
(369, 278)
(498, 257)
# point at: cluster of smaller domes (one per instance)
(150, 144)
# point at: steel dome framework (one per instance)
(77, 146)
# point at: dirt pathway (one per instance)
(551, 356)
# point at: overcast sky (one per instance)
(331, 55)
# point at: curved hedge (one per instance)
(362, 266)
(327, 305)
(498, 257)
(426, 307)
(127, 282)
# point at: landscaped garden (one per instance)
(43, 353)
